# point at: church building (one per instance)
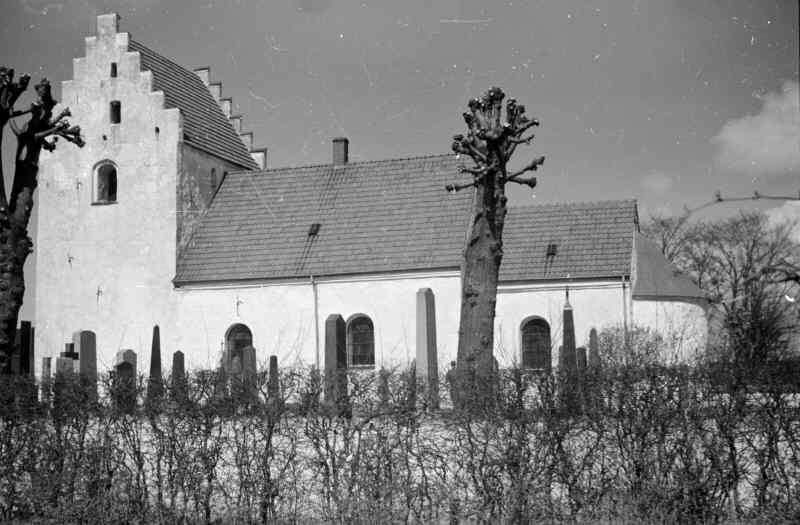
(169, 217)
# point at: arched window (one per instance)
(105, 182)
(536, 345)
(360, 341)
(237, 339)
(113, 70)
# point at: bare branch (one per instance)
(531, 182)
(452, 188)
(526, 140)
(533, 166)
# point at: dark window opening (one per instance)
(536, 345)
(113, 70)
(106, 183)
(314, 229)
(116, 112)
(360, 342)
(213, 179)
(238, 339)
(551, 249)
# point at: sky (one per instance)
(664, 101)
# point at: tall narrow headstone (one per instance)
(273, 385)
(249, 367)
(155, 388)
(335, 360)
(179, 391)
(569, 361)
(594, 353)
(85, 344)
(47, 379)
(125, 380)
(427, 366)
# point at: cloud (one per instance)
(766, 144)
(657, 182)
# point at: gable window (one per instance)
(105, 183)
(360, 341)
(116, 112)
(536, 344)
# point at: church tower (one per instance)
(114, 215)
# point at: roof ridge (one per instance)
(572, 204)
(349, 163)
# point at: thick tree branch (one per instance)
(452, 188)
(532, 166)
(530, 182)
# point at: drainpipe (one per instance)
(624, 311)
(316, 321)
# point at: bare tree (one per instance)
(490, 142)
(749, 270)
(39, 132)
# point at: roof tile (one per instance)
(389, 216)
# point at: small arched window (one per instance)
(536, 344)
(360, 341)
(113, 70)
(213, 180)
(105, 182)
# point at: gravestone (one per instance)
(273, 384)
(594, 353)
(427, 365)
(46, 379)
(249, 367)
(84, 343)
(125, 380)
(580, 358)
(335, 360)
(155, 387)
(569, 363)
(179, 390)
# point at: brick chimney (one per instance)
(340, 145)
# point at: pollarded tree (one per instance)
(490, 142)
(39, 132)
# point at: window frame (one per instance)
(549, 349)
(96, 200)
(351, 321)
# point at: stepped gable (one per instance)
(205, 126)
(389, 216)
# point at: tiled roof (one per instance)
(204, 124)
(655, 276)
(388, 216)
(593, 239)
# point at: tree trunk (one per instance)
(479, 278)
(15, 246)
